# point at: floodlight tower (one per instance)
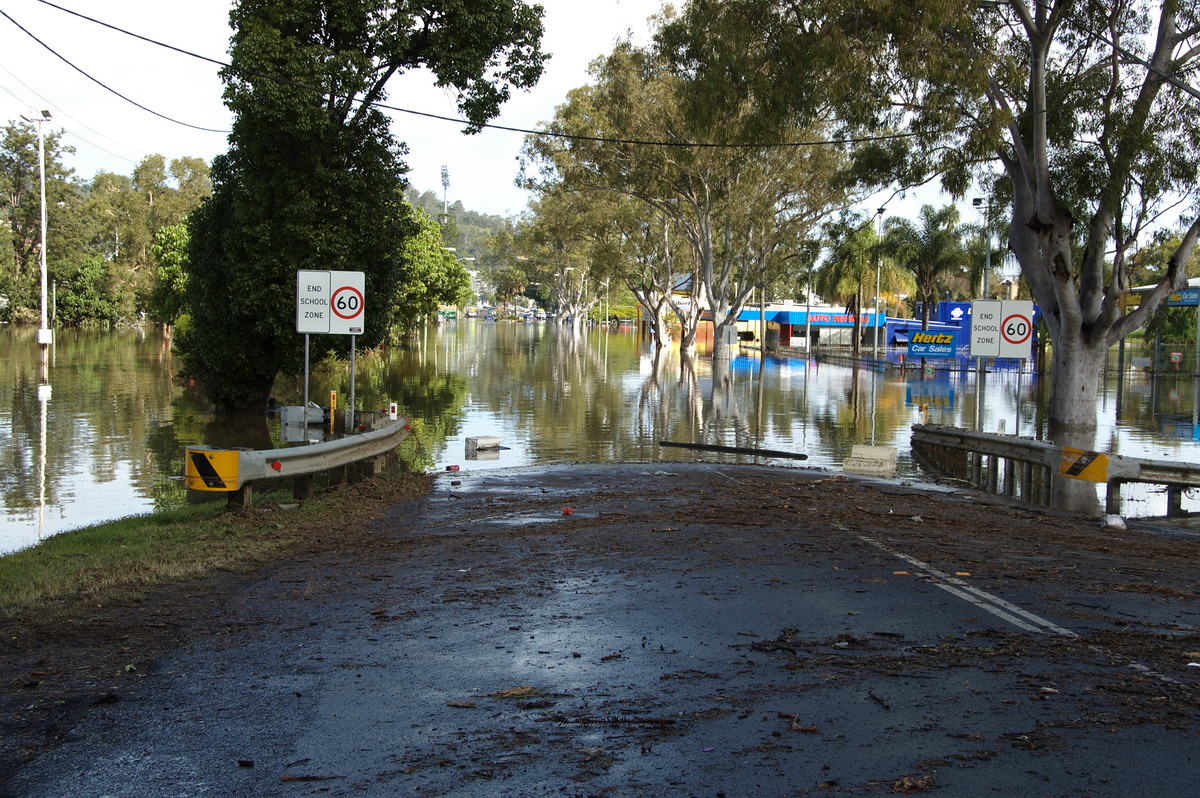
(445, 187)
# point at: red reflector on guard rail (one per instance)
(278, 466)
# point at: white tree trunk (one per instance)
(1075, 386)
(722, 350)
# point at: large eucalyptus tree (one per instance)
(743, 208)
(1088, 107)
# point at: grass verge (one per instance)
(119, 560)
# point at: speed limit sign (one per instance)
(1016, 328)
(330, 302)
(346, 302)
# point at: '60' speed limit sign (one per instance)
(330, 302)
(346, 302)
(1016, 328)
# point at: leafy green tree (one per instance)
(742, 208)
(84, 296)
(114, 220)
(113, 217)
(557, 240)
(20, 206)
(848, 274)
(313, 176)
(509, 282)
(165, 303)
(642, 256)
(432, 276)
(1085, 106)
(122, 216)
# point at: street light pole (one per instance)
(44, 337)
(878, 267)
(605, 308)
(986, 203)
(981, 377)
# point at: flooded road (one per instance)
(118, 417)
(691, 629)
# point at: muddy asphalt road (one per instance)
(686, 629)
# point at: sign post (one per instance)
(999, 329)
(312, 302)
(332, 303)
(985, 342)
(985, 328)
(346, 302)
(1190, 297)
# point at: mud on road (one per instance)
(681, 629)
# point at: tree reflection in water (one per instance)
(121, 416)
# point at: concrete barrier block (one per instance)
(871, 461)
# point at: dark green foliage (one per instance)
(165, 302)
(431, 276)
(83, 295)
(313, 176)
(467, 231)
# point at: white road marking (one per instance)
(1005, 610)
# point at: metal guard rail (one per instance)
(236, 470)
(1025, 468)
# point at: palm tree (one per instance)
(931, 252)
(851, 264)
(854, 265)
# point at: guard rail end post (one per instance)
(242, 498)
(302, 487)
(1112, 497)
(1174, 501)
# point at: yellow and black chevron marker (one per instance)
(1088, 466)
(208, 469)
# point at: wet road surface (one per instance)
(691, 629)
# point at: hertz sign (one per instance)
(924, 343)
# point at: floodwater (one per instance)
(108, 438)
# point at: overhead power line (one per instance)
(100, 83)
(59, 112)
(1174, 80)
(426, 114)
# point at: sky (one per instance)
(179, 93)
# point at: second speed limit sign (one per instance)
(347, 303)
(1016, 329)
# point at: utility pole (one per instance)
(44, 336)
(986, 204)
(878, 268)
